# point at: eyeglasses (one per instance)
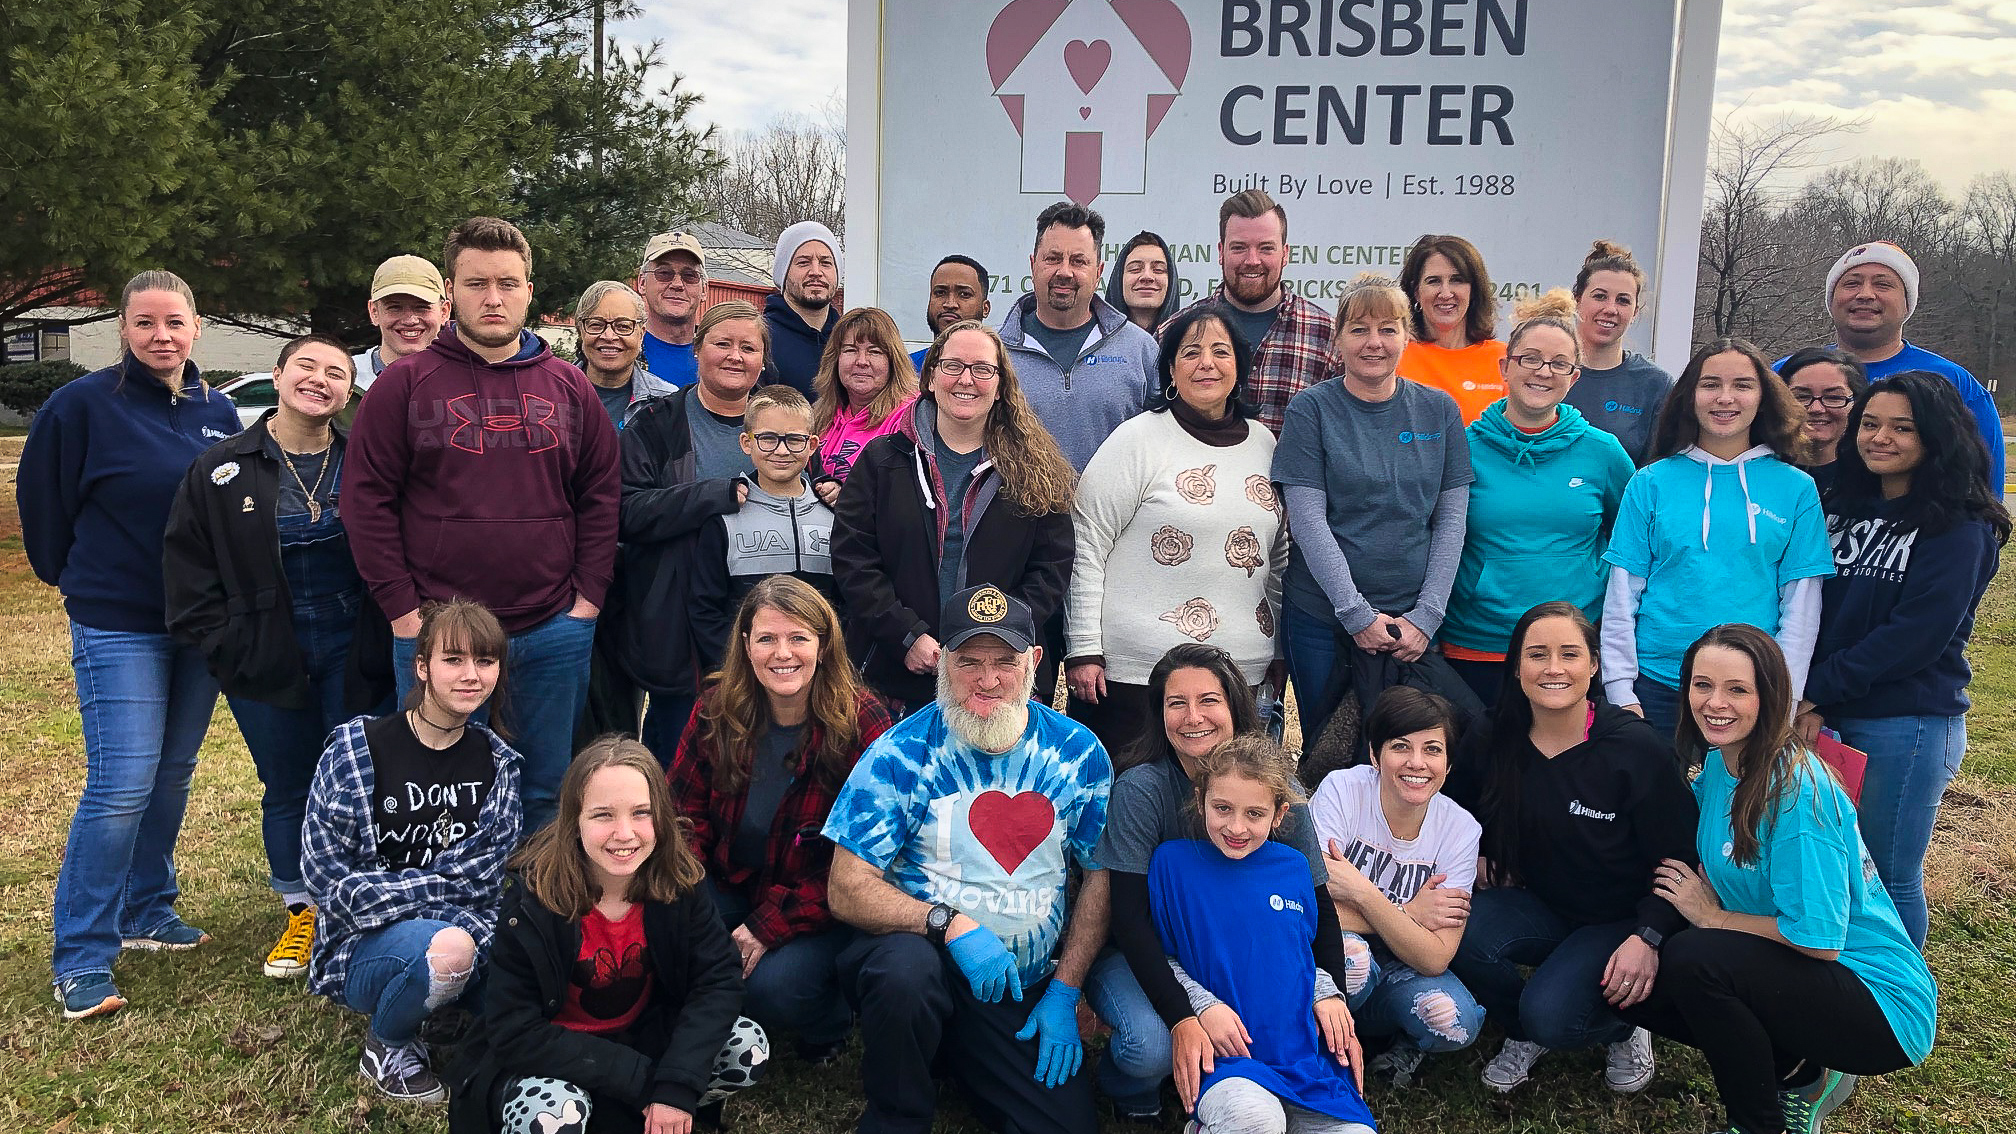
(623, 327)
(667, 275)
(792, 442)
(1559, 368)
(982, 371)
(1831, 401)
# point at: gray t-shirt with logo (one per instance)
(1381, 466)
(1623, 401)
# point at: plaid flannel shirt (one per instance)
(789, 892)
(1294, 355)
(355, 894)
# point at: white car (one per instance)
(254, 394)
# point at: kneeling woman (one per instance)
(1402, 859)
(410, 819)
(612, 990)
(1580, 800)
(1798, 975)
(776, 733)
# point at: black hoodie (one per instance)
(1592, 822)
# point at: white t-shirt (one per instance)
(1346, 810)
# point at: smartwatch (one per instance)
(938, 921)
(1649, 936)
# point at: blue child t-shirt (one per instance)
(1714, 544)
(984, 833)
(1815, 878)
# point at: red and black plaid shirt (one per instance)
(1293, 355)
(788, 895)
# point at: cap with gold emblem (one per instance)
(988, 610)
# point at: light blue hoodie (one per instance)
(1540, 515)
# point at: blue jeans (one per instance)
(1137, 1055)
(547, 674)
(1561, 1005)
(1662, 705)
(796, 986)
(1397, 1000)
(286, 744)
(1312, 657)
(389, 977)
(665, 722)
(1911, 760)
(146, 703)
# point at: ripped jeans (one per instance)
(404, 972)
(1387, 997)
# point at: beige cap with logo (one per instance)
(668, 242)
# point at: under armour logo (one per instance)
(535, 421)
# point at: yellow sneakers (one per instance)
(289, 958)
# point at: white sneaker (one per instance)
(1513, 1065)
(1628, 1064)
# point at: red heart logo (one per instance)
(1087, 62)
(1011, 827)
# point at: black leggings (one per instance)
(1758, 1010)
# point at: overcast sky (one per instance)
(1934, 81)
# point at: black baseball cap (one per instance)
(987, 609)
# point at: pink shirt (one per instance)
(850, 433)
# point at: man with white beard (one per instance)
(951, 842)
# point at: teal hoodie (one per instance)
(1540, 514)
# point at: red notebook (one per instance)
(1848, 763)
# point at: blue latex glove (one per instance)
(988, 966)
(1053, 1024)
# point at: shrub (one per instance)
(24, 386)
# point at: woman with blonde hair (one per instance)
(970, 489)
(1376, 473)
(613, 994)
(1548, 485)
(863, 383)
(777, 729)
(98, 477)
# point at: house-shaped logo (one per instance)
(1086, 82)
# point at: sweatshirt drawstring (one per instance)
(1741, 462)
(923, 480)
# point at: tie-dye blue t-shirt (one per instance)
(983, 833)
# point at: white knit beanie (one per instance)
(798, 234)
(1883, 254)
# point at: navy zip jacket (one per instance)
(1895, 618)
(97, 478)
(794, 347)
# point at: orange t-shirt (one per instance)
(1469, 375)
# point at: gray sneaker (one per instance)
(1399, 1063)
(1512, 1065)
(400, 1071)
(1806, 1108)
(1628, 1064)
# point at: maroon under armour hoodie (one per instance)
(495, 481)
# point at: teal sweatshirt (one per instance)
(1540, 514)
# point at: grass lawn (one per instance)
(210, 1044)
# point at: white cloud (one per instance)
(753, 60)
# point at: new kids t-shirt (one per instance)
(1346, 810)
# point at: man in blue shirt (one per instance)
(673, 282)
(1871, 290)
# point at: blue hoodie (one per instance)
(1895, 620)
(98, 475)
(1540, 514)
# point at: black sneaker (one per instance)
(400, 1071)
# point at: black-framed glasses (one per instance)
(954, 368)
(667, 275)
(623, 327)
(1559, 368)
(792, 442)
(1831, 401)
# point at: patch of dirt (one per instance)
(1973, 850)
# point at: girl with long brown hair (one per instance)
(970, 489)
(1796, 975)
(612, 984)
(776, 732)
(864, 381)
(1720, 525)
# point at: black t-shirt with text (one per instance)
(425, 800)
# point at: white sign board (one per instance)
(1529, 126)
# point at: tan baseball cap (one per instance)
(408, 275)
(669, 242)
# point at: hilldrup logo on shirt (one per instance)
(1281, 903)
(1615, 406)
(1408, 437)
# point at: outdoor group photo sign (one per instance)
(1530, 127)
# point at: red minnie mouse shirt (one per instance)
(611, 980)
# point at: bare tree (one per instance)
(1753, 268)
(791, 170)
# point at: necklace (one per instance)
(421, 716)
(314, 505)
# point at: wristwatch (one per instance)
(1649, 936)
(937, 921)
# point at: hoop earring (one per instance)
(1169, 392)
